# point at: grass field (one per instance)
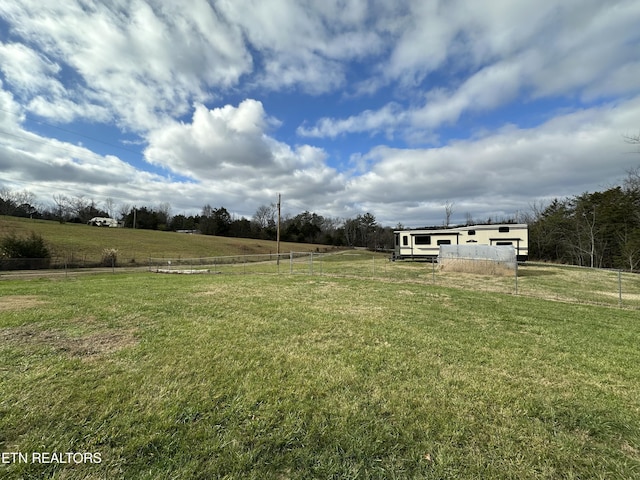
(299, 376)
(546, 281)
(78, 243)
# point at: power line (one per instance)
(66, 146)
(72, 132)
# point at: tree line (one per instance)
(598, 229)
(306, 227)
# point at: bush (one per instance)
(109, 257)
(18, 253)
(33, 246)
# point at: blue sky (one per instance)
(393, 108)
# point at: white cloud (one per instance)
(368, 121)
(489, 88)
(493, 53)
(495, 175)
(11, 115)
(502, 172)
(303, 44)
(143, 61)
(215, 141)
(29, 71)
(229, 149)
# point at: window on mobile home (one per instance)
(503, 229)
(504, 243)
(444, 242)
(472, 232)
(405, 240)
(423, 240)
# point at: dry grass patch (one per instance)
(481, 267)
(631, 451)
(86, 346)
(20, 302)
(406, 292)
(212, 290)
(625, 296)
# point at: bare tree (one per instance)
(207, 211)
(24, 197)
(16, 200)
(351, 231)
(79, 204)
(265, 215)
(110, 206)
(586, 230)
(632, 182)
(630, 251)
(125, 209)
(448, 212)
(62, 208)
(164, 211)
(469, 218)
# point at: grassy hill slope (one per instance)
(83, 242)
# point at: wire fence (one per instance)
(269, 263)
(70, 261)
(549, 281)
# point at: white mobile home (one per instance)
(103, 222)
(425, 243)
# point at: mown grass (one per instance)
(77, 242)
(254, 376)
(547, 281)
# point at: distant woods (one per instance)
(306, 227)
(599, 229)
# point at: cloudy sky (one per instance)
(342, 106)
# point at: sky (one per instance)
(341, 106)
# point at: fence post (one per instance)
(311, 263)
(516, 276)
(620, 288)
(290, 263)
(433, 270)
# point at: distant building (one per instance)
(103, 222)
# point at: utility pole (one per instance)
(278, 234)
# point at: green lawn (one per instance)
(297, 376)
